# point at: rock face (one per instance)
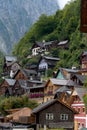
(16, 17)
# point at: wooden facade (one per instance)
(83, 25)
(55, 114)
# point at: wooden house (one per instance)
(55, 114)
(20, 87)
(22, 116)
(25, 74)
(37, 93)
(83, 61)
(78, 105)
(6, 87)
(8, 61)
(53, 85)
(42, 47)
(66, 73)
(46, 63)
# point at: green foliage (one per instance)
(17, 102)
(63, 25)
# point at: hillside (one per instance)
(16, 17)
(65, 24)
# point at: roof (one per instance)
(26, 72)
(63, 89)
(71, 70)
(23, 112)
(51, 58)
(50, 102)
(84, 53)
(82, 78)
(23, 83)
(11, 82)
(81, 91)
(11, 58)
(62, 82)
(63, 42)
(37, 86)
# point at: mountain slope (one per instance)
(16, 17)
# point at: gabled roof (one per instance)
(62, 82)
(63, 89)
(70, 71)
(10, 58)
(26, 72)
(22, 112)
(43, 44)
(81, 91)
(11, 82)
(82, 78)
(49, 103)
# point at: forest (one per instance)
(64, 25)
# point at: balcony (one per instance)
(36, 95)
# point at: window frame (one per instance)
(64, 117)
(49, 116)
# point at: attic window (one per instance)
(49, 116)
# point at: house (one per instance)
(54, 114)
(37, 47)
(78, 105)
(6, 87)
(46, 63)
(25, 74)
(37, 93)
(42, 47)
(53, 84)
(22, 116)
(83, 61)
(63, 94)
(8, 61)
(66, 73)
(20, 87)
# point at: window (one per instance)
(64, 117)
(83, 109)
(49, 116)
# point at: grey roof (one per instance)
(71, 70)
(63, 89)
(63, 42)
(48, 103)
(51, 58)
(70, 83)
(82, 78)
(81, 91)
(37, 86)
(62, 82)
(84, 53)
(11, 58)
(11, 82)
(23, 83)
(28, 72)
(36, 81)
